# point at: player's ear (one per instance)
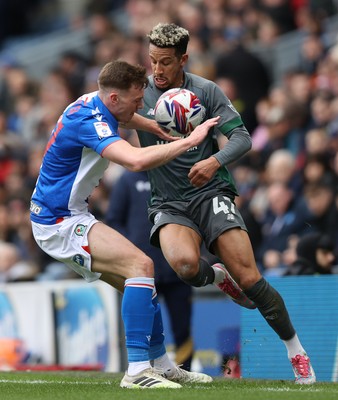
(114, 97)
(184, 59)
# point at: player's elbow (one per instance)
(136, 165)
(134, 168)
(246, 139)
(248, 143)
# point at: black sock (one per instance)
(271, 305)
(205, 275)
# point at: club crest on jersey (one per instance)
(102, 129)
(78, 259)
(80, 229)
(157, 217)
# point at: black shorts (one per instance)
(209, 214)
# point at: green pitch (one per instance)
(103, 386)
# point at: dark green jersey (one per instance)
(170, 182)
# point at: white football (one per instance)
(179, 111)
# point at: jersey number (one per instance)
(221, 206)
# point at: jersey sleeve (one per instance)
(220, 105)
(97, 134)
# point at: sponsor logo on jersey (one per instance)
(78, 259)
(157, 217)
(102, 129)
(35, 209)
(151, 111)
(192, 148)
(80, 229)
(230, 105)
(230, 217)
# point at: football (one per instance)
(179, 111)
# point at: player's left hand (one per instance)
(162, 134)
(203, 171)
(148, 125)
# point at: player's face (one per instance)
(166, 67)
(126, 103)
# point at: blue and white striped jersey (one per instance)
(72, 165)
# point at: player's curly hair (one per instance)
(122, 75)
(170, 35)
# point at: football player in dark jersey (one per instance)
(193, 197)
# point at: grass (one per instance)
(74, 385)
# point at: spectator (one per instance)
(280, 11)
(315, 255)
(16, 18)
(298, 85)
(12, 267)
(72, 65)
(54, 94)
(246, 177)
(317, 142)
(279, 168)
(285, 215)
(320, 105)
(250, 76)
(316, 168)
(311, 53)
(320, 200)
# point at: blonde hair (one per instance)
(170, 35)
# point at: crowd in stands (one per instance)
(288, 182)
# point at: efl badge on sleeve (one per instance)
(102, 129)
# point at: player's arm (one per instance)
(140, 159)
(141, 123)
(238, 144)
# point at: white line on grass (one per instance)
(41, 382)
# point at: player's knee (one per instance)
(144, 266)
(246, 282)
(247, 276)
(186, 268)
(185, 271)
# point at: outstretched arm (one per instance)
(139, 122)
(140, 159)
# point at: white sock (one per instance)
(294, 347)
(134, 368)
(164, 363)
